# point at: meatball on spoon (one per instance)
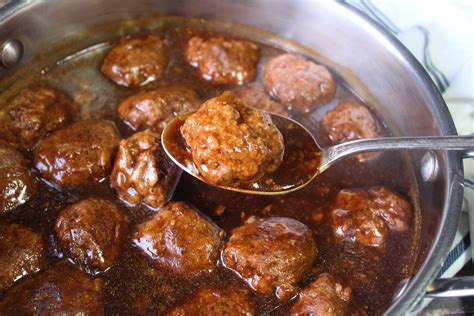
(303, 158)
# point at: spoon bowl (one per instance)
(299, 166)
(304, 159)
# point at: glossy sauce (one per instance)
(135, 286)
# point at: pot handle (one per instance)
(451, 287)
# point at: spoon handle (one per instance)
(466, 143)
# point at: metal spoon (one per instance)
(304, 159)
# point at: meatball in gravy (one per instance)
(60, 290)
(91, 232)
(298, 82)
(271, 254)
(222, 61)
(22, 252)
(136, 61)
(142, 171)
(34, 112)
(208, 301)
(180, 239)
(255, 97)
(350, 121)
(79, 153)
(154, 108)
(17, 185)
(232, 143)
(323, 296)
(367, 216)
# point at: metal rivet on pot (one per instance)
(429, 167)
(11, 53)
(400, 288)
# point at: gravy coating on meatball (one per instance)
(91, 232)
(142, 172)
(17, 185)
(350, 121)
(255, 97)
(367, 216)
(222, 61)
(60, 290)
(136, 61)
(79, 153)
(232, 143)
(271, 254)
(34, 112)
(22, 252)
(154, 108)
(180, 239)
(210, 301)
(298, 82)
(324, 296)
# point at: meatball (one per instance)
(271, 254)
(255, 97)
(142, 172)
(223, 61)
(208, 301)
(17, 185)
(392, 207)
(366, 216)
(180, 239)
(32, 113)
(135, 62)
(298, 82)
(350, 121)
(81, 152)
(232, 143)
(22, 252)
(154, 108)
(91, 232)
(323, 297)
(60, 290)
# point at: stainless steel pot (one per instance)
(379, 69)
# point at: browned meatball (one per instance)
(223, 61)
(154, 108)
(350, 121)
(392, 207)
(271, 254)
(78, 153)
(325, 297)
(22, 252)
(365, 216)
(180, 239)
(60, 290)
(91, 232)
(135, 62)
(32, 113)
(255, 97)
(208, 301)
(232, 143)
(143, 172)
(17, 185)
(298, 82)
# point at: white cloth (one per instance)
(439, 33)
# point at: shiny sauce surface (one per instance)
(133, 285)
